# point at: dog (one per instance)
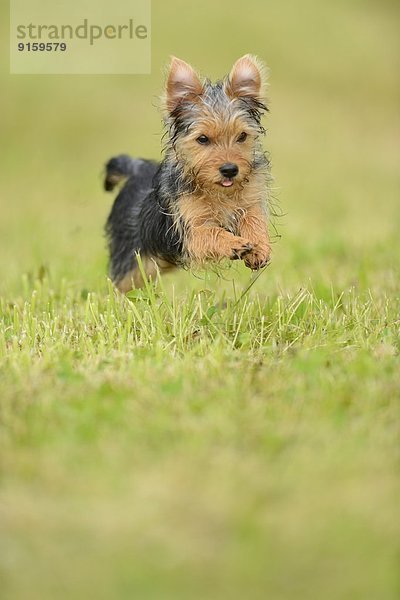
(208, 198)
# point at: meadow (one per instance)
(219, 434)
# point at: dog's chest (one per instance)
(226, 213)
(227, 217)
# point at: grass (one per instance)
(218, 435)
(201, 445)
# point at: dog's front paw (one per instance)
(258, 258)
(240, 249)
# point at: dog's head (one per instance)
(215, 129)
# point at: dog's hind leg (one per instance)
(152, 266)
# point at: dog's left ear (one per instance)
(247, 79)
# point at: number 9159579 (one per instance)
(42, 46)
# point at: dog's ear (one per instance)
(182, 82)
(247, 78)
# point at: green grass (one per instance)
(224, 435)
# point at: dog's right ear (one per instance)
(182, 82)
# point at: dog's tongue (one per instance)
(227, 182)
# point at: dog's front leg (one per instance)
(214, 243)
(253, 226)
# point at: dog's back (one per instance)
(123, 225)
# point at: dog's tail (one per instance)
(117, 169)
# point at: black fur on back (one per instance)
(140, 220)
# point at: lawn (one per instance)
(219, 435)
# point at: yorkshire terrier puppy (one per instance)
(208, 199)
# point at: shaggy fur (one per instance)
(207, 200)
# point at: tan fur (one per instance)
(223, 131)
(211, 218)
(220, 226)
(151, 266)
(253, 226)
(219, 222)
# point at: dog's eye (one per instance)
(203, 139)
(242, 137)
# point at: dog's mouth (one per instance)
(227, 182)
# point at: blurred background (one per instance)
(332, 135)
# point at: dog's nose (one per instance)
(229, 170)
